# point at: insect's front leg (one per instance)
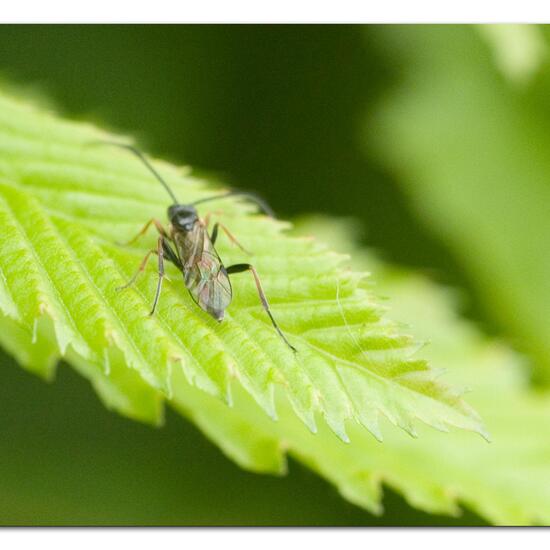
(240, 268)
(144, 229)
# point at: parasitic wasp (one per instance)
(188, 244)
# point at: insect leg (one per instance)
(214, 234)
(230, 236)
(140, 270)
(209, 215)
(160, 252)
(170, 255)
(144, 229)
(240, 268)
(163, 247)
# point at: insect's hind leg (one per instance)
(240, 268)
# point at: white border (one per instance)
(281, 11)
(271, 539)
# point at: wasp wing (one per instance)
(205, 276)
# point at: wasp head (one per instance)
(183, 216)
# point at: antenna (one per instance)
(143, 159)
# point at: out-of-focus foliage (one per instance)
(471, 150)
(519, 51)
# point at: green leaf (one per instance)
(471, 152)
(504, 481)
(63, 205)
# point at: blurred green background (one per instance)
(433, 137)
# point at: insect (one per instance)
(188, 245)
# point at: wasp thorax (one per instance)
(183, 216)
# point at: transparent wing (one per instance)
(204, 274)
